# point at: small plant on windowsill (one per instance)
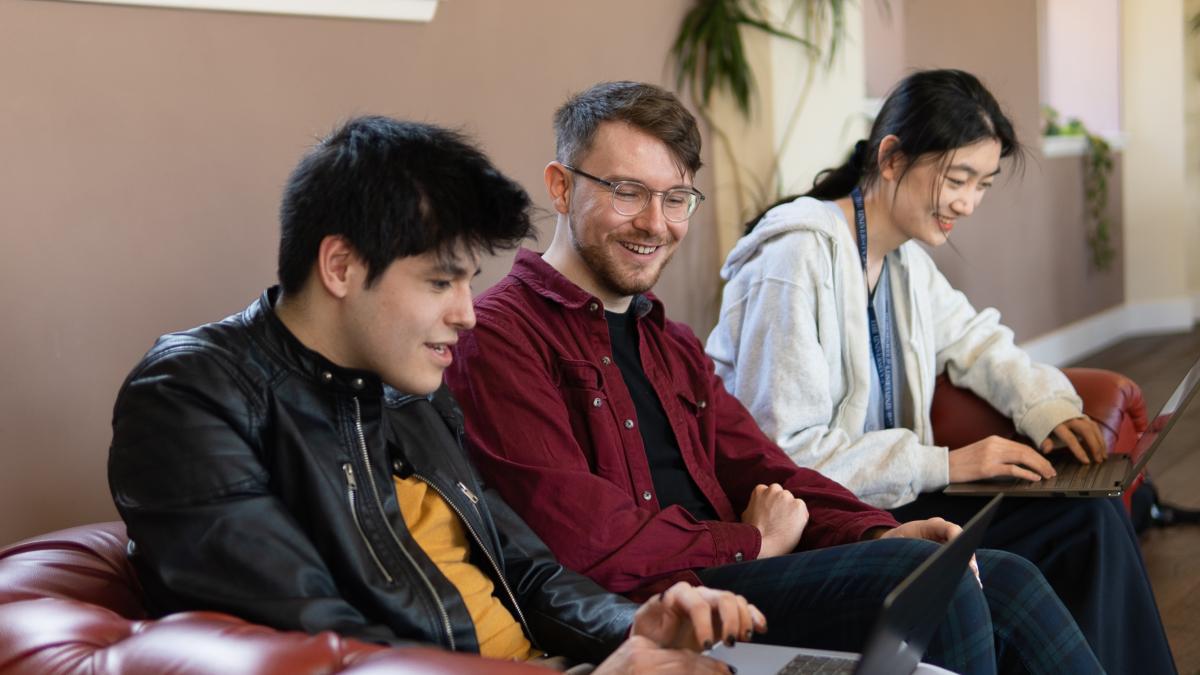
(1097, 168)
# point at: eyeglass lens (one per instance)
(630, 199)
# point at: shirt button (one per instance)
(327, 377)
(593, 307)
(646, 495)
(605, 360)
(702, 404)
(737, 557)
(597, 402)
(357, 383)
(628, 424)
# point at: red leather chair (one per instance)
(70, 603)
(960, 417)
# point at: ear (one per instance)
(558, 185)
(338, 266)
(890, 160)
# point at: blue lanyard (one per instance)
(880, 345)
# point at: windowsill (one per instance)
(1077, 146)
(387, 10)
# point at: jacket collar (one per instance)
(291, 352)
(530, 269)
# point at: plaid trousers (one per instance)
(1089, 554)
(829, 599)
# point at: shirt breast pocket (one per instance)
(581, 384)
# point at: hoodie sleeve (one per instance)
(978, 353)
(779, 347)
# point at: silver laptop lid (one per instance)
(1161, 423)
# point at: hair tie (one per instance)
(858, 156)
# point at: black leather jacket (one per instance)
(256, 478)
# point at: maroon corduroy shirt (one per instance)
(551, 426)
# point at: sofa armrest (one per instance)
(64, 636)
(71, 603)
(1114, 401)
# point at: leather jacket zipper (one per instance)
(479, 542)
(352, 493)
(366, 457)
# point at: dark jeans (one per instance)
(1087, 550)
(829, 599)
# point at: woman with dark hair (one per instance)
(834, 325)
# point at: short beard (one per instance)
(604, 272)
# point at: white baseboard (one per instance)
(1086, 336)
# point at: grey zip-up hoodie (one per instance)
(792, 344)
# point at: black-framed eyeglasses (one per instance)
(630, 197)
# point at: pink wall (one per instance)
(1081, 69)
(1024, 251)
(144, 150)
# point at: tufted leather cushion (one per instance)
(70, 603)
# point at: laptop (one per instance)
(1110, 478)
(909, 618)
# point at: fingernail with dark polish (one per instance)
(733, 670)
(707, 645)
(729, 641)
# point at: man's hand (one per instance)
(696, 618)
(996, 457)
(641, 655)
(933, 529)
(779, 516)
(1082, 437)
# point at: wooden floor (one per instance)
(1173, 554)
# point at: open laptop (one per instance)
(1110, 478)
(909, 618)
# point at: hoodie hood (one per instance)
(802, 214)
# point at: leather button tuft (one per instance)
(646, 495)
(597, 402)
(628, 424)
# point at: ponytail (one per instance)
(829, 184)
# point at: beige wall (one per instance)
(144, 150)
(1156, 199)
(1191, 76)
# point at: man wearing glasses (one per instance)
(603, 424)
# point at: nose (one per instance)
(652, 219)
(461, 315)
(964, 205)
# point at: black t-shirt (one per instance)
(672, 481)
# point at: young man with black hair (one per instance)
(298, 464)
(603, 424)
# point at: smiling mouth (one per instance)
(640, 249)
(438, 347)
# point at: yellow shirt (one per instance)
(443, 537)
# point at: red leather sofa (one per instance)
(960, 417)
(70, 603)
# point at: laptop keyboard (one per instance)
(1076, 475)
(808, 664)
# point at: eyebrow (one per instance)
(631, 179)
(971, 170)
(455, 269)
